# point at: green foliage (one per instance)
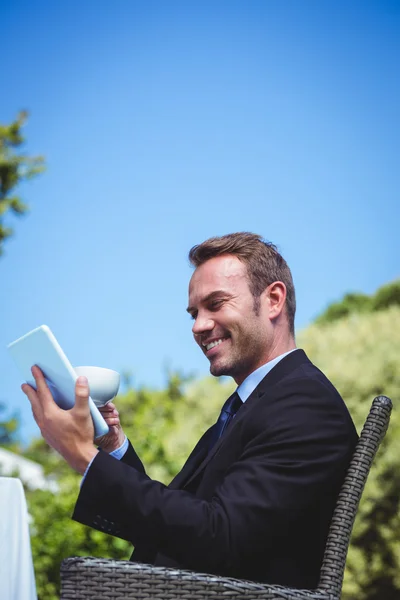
(164, 425)
(387, 295)
(360, 353)
(351, 303)
(361, 356)
(54, 536)
(15, 168)
(8, 430)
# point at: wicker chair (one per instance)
(95, 579)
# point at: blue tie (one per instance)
(228, 411)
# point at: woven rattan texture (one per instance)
(337, 544)
(109, 579)
(95, 579)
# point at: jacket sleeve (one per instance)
(294, 450)
(132, 459)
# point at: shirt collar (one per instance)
(251, 382)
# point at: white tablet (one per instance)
(40, 347)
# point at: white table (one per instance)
(17, 580)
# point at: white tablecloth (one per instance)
(17, 580)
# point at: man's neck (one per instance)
(249, 384)
(281, 345)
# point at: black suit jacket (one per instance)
(257, 506)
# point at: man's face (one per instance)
(235, 339)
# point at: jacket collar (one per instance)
(288, 364)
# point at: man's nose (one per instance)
(202, 324)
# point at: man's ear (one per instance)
(276, 294)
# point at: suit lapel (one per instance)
(209, 455)
(283, 368)
(196, 457)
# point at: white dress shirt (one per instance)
(251, 382)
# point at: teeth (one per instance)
(212, 344)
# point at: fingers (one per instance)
(81, 395)
(42, 388)
(107, 408)
(110, 414)
(34, 400)
(40, 398)
(112, 421)
(112, 417)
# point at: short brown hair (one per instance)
(263, 262)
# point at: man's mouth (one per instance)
(213, 343)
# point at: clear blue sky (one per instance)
(164, 123)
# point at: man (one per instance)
(255, 497)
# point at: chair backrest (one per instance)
(337, 544)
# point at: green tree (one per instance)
(163, 424)
(353, 303)
(15, 168)
(360, 353)
(387, 295)
(55, 536)
(8, 429)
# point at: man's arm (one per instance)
(292, 452)
(115, 443)
(292, 456)
(69, 432)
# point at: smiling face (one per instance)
(235, 338)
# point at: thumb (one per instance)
(82, 395)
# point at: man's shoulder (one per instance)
(300, 390)
(306, 375)
(294, 370)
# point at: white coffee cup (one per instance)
(103, 383)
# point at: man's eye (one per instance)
(216, 304)
(193, 316)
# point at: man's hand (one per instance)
(115, 438)
(70, 432)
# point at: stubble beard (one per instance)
(241, 362)
(235, 365)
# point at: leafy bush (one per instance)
(361, 356)
(164, 425)
(387, 295)
(360, 353)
